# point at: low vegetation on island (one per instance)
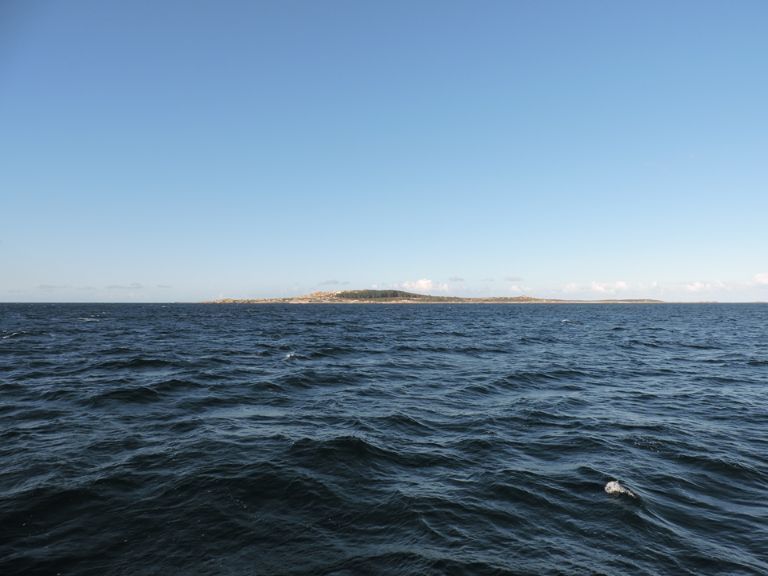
(401, 297)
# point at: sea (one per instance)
(448, 439)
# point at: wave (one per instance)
(542, 376)
(339, 351)
(401, 422)
(137, 363)
(406, 561)
(312, 378)
(132, 394)
(357, 451)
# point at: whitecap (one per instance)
(615, 487)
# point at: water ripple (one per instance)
(303, 440)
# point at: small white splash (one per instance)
(614, 487)
(290, 356)
(565, 321)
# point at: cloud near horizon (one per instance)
(597, 287)
(132, 286)
(51, 287)
(696, 287)
(424, 285)
(760, 279)
(688, 290)
(609, 287)
(61, 288)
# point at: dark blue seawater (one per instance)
(383, 439)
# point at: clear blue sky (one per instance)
(184, 150)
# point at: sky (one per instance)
(188, 150)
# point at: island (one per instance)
(401, 297)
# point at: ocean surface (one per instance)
(383, 439)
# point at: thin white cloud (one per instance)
(595, 287)
(609, 287)
(761, 279)
(698, 287)
(51, 287)
(424, 285)
(675, 291)
(61, 287)
(132, 286)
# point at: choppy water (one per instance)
(416, 439)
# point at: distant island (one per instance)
(401, 297)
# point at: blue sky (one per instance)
(180, 151)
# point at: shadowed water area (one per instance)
(383, 439)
